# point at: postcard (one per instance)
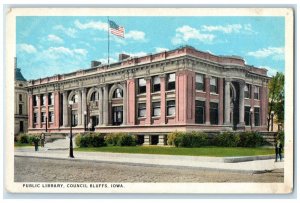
(149, 100)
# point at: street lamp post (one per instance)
(85, 121)
(272, 120)
(251, 112)
(71, 137)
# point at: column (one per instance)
(65, 109)
(207, 105)
(47, 111)
(263, 100)
(56, 109)
(79, 108)
(125, 103)
(163, 98)
(148, 101)
(83, 93)
(221, 96)
(39, 111)
(252, 105)
(131, 117)
(105, 105)
(100, 106)
(227, 102)
(30, 111)
(242, 104)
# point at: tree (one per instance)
(276, 98)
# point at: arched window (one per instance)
(75, 98)
(95, 96)
(118, 93)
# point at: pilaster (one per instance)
(207, 101)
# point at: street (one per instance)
(49, 170)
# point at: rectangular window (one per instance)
(171, 81)
(199, 82)
(256, 92)
(256, 117)
(214, 113)
(156, 109)
(171, 110)
(35, 117)
(247, 117)
(142, 110)
(43, 101)
(51, 116)
(200, 112)
(156, 84)
(247, 90)
(50, 99)
(43, 117)
(35, 100)
(20, 97)
(142, 86)
(20, 109)
(213, 85)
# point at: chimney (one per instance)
(95, 63)
(123, 57)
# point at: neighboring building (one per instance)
(21, 114)
(183, 89)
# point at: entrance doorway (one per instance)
(117, 115)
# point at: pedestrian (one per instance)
(36, 143)
(278, 150)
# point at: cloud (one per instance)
(28, 48)
(229, 28)
(186, 33)
(226, 29)
(95, 25)
(277, 53)
(54, 38)
(71, 32)
(104, 60)
(271, 71)
(57, 52)
(160, 49)
(135, 35)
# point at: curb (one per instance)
(154, 165)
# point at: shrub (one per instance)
(90, 139)
(226, 139)
(120, 139)
(34, 139)
(187, 139)
(24, 139)
(250, 139)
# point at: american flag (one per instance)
(116, 29)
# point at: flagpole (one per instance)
(108, 40)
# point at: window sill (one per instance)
(141, 118)
(155, 117)
(213, 93)
(200, 91)
(171, 116)
(170, 91)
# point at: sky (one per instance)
(50, 45)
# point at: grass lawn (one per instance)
(22, 145)
(203, 151)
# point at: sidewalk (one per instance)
(234, 164)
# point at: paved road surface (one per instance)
(48, 170)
